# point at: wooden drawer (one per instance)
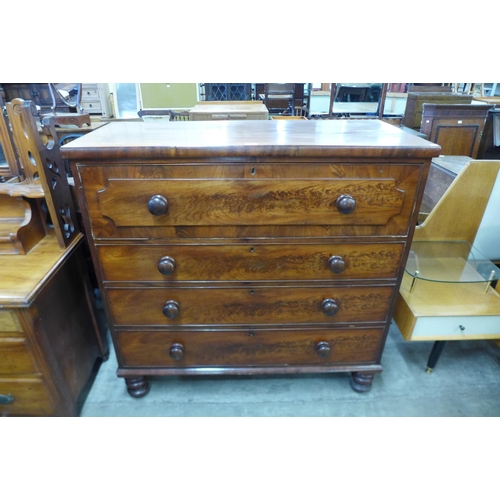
(247, 348)
(223, 202)
(15, 357)
(9, 322)
(248, 262)
(30, 397)
(249, 305)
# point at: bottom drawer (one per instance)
(30, 397)
(245, 348)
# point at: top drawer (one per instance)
(202, 202)
(205, 200)
(9, 322)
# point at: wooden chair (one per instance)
(299, 111)
(276, 92)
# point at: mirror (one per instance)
(69, 93)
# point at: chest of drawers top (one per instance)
(272, 138)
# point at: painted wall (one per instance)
(169, 95)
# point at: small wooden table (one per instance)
(229, 110)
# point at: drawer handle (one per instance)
(5, 400)
(166, 265)
(171, 309)
(158, 205)
(329, 307)
(336, 264)
(177, 351)
(323, 349)
(345, 204)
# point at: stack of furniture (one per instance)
(249, 247)
(50, 335)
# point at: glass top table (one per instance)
(449, 262)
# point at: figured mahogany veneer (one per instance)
(249, 247)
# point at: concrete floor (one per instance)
(465, 382)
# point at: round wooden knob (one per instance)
(323, 349)
(166, 265)
(171, 309)
(158, 205)
(329, 307)
(336, 264)
(345, 204)
(177, 351)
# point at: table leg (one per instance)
(437, 349)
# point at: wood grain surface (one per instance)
(250, 262)
(249, 347)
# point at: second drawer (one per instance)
(247, 262)
(249, 305)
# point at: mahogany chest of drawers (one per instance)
(255, 247)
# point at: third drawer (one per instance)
(249, 305)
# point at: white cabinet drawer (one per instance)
(92, 107)
(456, 328)
(90, 93)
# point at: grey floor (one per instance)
(465, 382)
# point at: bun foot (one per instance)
(137, 387)
(361, 382)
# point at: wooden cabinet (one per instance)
(249, 247)
(457, 128)
(415, 101)
(50, 336)
(38, 93)
(95, 99)
(228, 91)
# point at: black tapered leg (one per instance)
(437, 349)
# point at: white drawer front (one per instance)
(92, 107)
(449, 328)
